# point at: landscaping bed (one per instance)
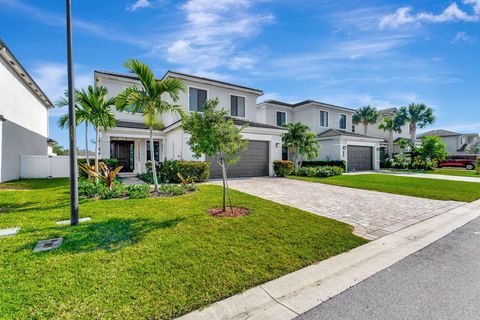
(446, 172)
(153, 258)
(410, 186)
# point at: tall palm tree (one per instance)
(417, 115)
(81, 116)
(365, 115)
(391, 125)
(300, 142)
(100, 111)
(148, 100)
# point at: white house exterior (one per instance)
(456, 143)
(334, 129)
(23, 115)
(128, 141)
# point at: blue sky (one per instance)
(351, 53)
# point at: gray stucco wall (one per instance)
(15, 141)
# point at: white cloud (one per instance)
(475, 4)
(462, 36)
(52, 79)
(139, 4)
(453, 12)
(212, 34)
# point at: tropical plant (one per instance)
(300, 142)
(365, 115)
(433, 149)
(81, 116)
(105, 173)
(391, 125)
(148, 101)
(282, 168)
(88, 169)
(213, 134)
(417, 116)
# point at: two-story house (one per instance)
(23, 115)
(457, 143)
(129, 140)
(374, 131)
(334, 129)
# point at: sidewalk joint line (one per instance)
(261, 287)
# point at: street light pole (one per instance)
(72, 124)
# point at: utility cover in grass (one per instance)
(46, 245)
(64, 222)
(8, 232)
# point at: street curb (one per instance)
(300, 291)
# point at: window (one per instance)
(342, 122)
(197, 98)
(284, 153)
(237, 106)
(156, 150)
(323, 118)
(281, 118)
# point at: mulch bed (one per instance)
(232, 212)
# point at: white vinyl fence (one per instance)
(32, 167)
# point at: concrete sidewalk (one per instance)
(300, 291)
(431, 176)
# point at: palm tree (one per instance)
(81, 115)
(391, 125)
(300, 142)
(365, 115)
(100, 112)
(148, 100)
(417, 115)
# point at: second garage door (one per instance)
(254, 162)
(359, 158)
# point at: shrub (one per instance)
(176, 189)
(477, 166)
(147, 177)
(168, 171)
(138, 191)
(111, 163)
(400, 161)
(282, 168)
(117, 190)
(318, 171)
(87, 188)
(326, 163)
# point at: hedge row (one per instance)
(326, 163)
(167, 171)
(322, 172)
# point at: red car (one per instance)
(468, 162)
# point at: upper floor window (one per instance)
(197, 98)
(342, 121)
(323, 118)
(237, 106)
(281, 118)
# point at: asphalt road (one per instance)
(441, 281)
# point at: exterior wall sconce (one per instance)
(344, 148)
(277, 144)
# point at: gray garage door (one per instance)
(253, 162)
(359, 158)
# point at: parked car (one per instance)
(466, 161)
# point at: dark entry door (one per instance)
(123, 151)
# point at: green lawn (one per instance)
(148, 258)
(417, 187)
(446, 172)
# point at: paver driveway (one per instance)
(373, 214)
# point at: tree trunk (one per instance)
(154, 163)
(413, 138)
(224, 179)
(86, 143)
(365, 128)
(390, 144)
(96, 152)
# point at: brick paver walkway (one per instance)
(373, 214)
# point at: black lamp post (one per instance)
(72, 124)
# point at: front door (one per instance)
(123, 151)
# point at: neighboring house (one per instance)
(128, 141)
(456, 143)
(334, 129)
(23, 115)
